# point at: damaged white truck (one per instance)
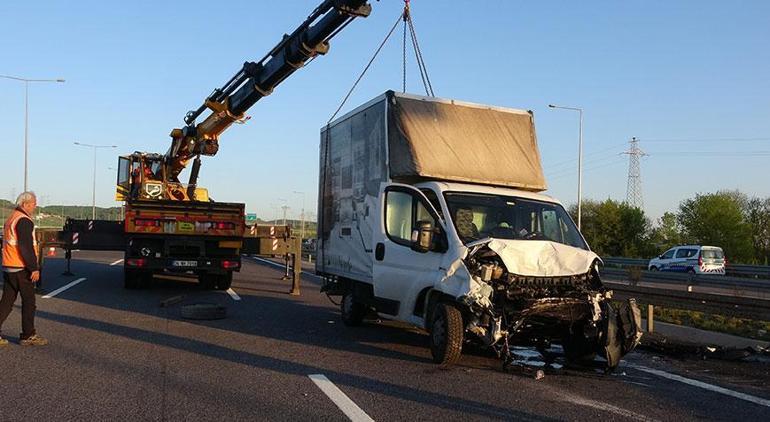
(429, 213)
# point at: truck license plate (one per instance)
(185, 263)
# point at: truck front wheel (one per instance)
(446, 334)
(353, 312)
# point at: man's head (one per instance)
(27, 201)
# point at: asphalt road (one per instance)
(115, 354)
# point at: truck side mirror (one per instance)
(422, 236)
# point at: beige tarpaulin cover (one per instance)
(446, 140)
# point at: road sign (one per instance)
(251, 218)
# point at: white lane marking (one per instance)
(703, 385)
(348, 407)
(606, 407)
(267, 261)
(233, 295)
(282, 266)
(61, 289)
(117, 262)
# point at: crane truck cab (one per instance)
(143, 175)
(431, 213)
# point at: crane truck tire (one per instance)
(224, 281)
(353, 312)
(446, 334)
(134, 279)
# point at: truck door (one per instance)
(400, 272)
(123, 187)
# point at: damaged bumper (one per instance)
(565, 303)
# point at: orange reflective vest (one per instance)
(11, 254)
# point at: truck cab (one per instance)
(143, 176)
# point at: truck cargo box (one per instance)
(405, 138)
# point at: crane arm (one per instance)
(255, 80)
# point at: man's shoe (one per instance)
(3, 342)
(34, 340)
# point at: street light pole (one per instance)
(26, 117)
(303, 213)
(93, 194)
(580, 161)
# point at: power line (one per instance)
(604, 158)
(708, 140)
(614, 147)
(713, 153)
(589, 169)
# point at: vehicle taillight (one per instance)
(136, 262)
(220, 225)
(144, 222)
(700, 260)
(229, 265)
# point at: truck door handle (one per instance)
(379, 251)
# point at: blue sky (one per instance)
(689, 71)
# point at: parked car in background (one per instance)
(693, 259)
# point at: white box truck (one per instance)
(430, 213)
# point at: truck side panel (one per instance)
(353, 165)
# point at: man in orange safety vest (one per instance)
(20, 269)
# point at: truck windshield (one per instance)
(477, 216)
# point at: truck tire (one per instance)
(353, 312)
(130, 279)
(224, 281)
(446, 334)
(207, 281)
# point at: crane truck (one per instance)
(170, 226)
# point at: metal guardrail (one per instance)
(742, 307)
(754, 271)
(684, 278)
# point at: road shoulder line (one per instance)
(233, 295)
(63, 288)
(703, 385)
(348, 407)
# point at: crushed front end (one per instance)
(563, 302)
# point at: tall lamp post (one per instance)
(93, 196)
(580, 161)
(26, 116)
(303, 213)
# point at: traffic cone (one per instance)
(51, 251)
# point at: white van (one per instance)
(430, 213)
(693, 259)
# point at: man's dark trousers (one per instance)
(15, 283)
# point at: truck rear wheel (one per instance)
(207, 281)
(224, 281)
(133, 279)
(353, 312)
(446, 334)
(130, 279)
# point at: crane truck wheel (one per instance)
(207, 281)
(130, 279)
(353, 312)
(224, 281)
(446, 334)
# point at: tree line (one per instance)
(740, 225)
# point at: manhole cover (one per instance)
(204, 311)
